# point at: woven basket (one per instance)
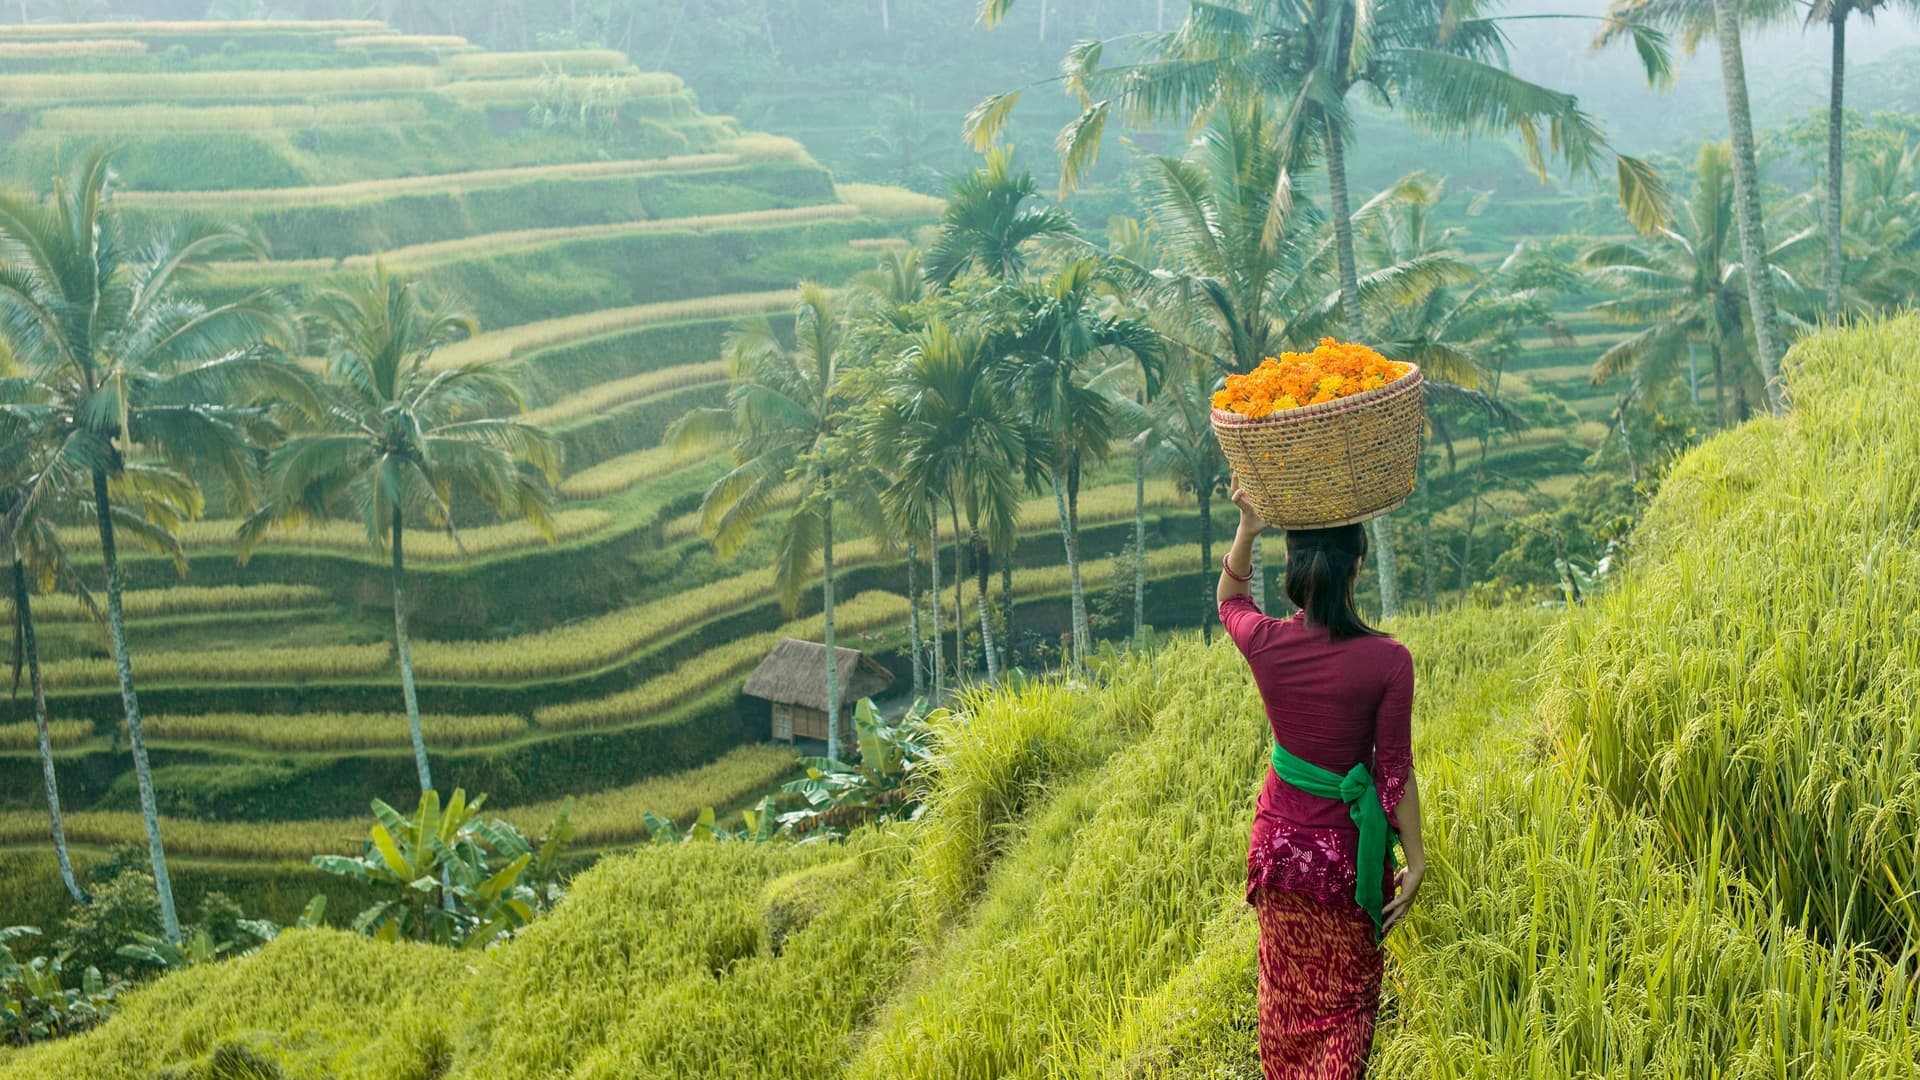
(1330, 464)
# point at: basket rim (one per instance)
(1411, 380)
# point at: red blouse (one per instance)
(1335, 704)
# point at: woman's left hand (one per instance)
(1406, 886)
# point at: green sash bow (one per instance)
(1362, 796)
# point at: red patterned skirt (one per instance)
(1319, 988)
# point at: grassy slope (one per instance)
(1070, 904)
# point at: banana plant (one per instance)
(201, 947)
(35, 1002)
(881, 786)
(448, 877)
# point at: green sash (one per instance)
(1362, 797)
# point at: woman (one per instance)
(1320, 873)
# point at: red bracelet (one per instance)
(1227, 568)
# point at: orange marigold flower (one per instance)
(1333, 370)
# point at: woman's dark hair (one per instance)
(1320, 571)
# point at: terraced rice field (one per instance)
(608, 270)
(609, 266)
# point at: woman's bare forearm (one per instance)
(1407, 816)
(1240, 560)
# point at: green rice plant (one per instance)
(61, 733)
(314, 663)
(180, 600)
(260, 841)
(499, 346)
(866, 613)
(350, 538)
(425, 256)
(361, 191)
(491, 65)
(191, 28)
(881, 201)
(452, 42)
(613, 817)
(599, 399)
(525, 92)
(48, 50)
(1752, 686)
(331, 731)
(148, 119)
(878, 243)
(622, 473)
(159, 86)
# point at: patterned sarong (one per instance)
(1319, 988)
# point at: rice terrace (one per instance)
(960, 539)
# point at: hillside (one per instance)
(1623, 883)
(607, 233)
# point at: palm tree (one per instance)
(783, 420)
(1722, 19)
(1882, 229)
(395, 440)
(1063, 333)
(34, 495)
(988, 223)
(947, 431)
(1680, 288)
(1185, 447)
(1441, 61)
(125, 359)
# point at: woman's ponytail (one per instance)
(1321, 566)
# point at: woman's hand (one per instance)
(1251, 523)
(1406, 885)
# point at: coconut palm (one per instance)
(988, 223)
(784, 421)
(1442, 63)
(1186, 449)
(149, 500)
(946, 430)
(126, 360)
(1064, 333)
(395, 440)
(1723, 20)
(1882, 229)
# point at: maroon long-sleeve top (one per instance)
(1335, 704)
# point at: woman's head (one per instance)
(1322, 565)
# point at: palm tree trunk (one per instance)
(1043, 20)
(404, 648)
(886, 18)
(913, 620)
(959, 598)
(1342, 229)
(1208, 612)
(981, 569)
(1429, 588)
(1006, 606)
(826, 610)
(1836, 163)
(136, 737)
(1719, 384)
(30, 652)
(1746, 187)
(1388, 566)
(933, 568)
(1073, 575)
(1139, 543)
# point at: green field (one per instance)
(1641, 814)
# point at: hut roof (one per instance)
(795, 673)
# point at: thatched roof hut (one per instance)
(793, 678)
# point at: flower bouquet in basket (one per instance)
(1324, 438)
